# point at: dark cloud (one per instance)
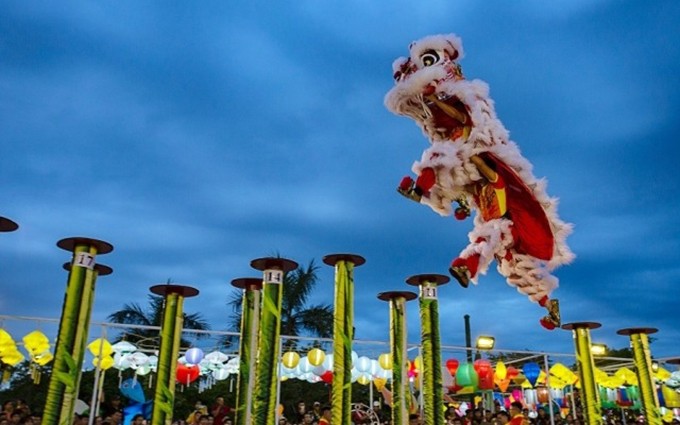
(198, 138)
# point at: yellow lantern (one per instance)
(12, 357)
(36, 343)
(44, 358)
(316, 356)
(629, 377)
(290, 359)
(501, 371)
(564, 373)
(385, 361)
(5, 339)
(662, 374)
(363, 379)
(100, 346)
(671, 396)
(106, 363)
(418, 363)
(541, 377)
(379, 383)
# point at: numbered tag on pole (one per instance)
(428, 292)
(84, 259)
(273, 276)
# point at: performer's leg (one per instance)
(487, 240)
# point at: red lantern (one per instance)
(486, 379)
(511, 373)
(452, 366)
(482, 366)
(187, 374)
(327, 377)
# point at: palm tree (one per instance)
(297, 317)
(134, 314)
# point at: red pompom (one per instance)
(460, 214)
(406, 183)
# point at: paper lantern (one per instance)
(193, 356)
(379, 383)
(12, 357)
(143, 370)
(106, 362)
(543, 395)
(36, 343)
(531, 371)
(511, 373)
(328, 361)
(305, 366)
(327, 377)
(482, 366)
(486, 379)
(47, 357)
(316, 356)
(385, 361)
(220, 374)
(452, 366)
(120, 361)
(100, 346)
(290, 359)
(187, 374)
(418, 364)
(319, 370)
(503, 384)
(363, 364)
(564, 373)
(216, 357)
(364, 379)
(501, 371)
(123, 347)
(466, 375)
(671, 397)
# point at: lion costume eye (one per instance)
(429, 58)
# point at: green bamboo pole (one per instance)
(590, 396)
(7, 225)
(267, 370)
(343, 334)
(250, 320)
(400, 391)
(73, 326)
(86, 303)
(433, 383)
(643, 365)
(171, 334)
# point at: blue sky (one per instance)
(196, 137)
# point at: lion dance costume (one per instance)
(473, 162)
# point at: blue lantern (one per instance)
(531, 371)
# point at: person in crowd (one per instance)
(316, 410)
(195, 416)
(502, 418)
(300, 411)
(325, 415)
(138, 419)
(110, 406)
(517, 415)
(308, 418)
(7, 409)
(219, 410)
